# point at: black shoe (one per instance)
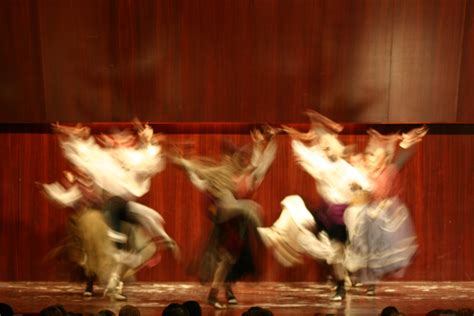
(340, 293)
(212, 299)
(89, 287)
(230, 296)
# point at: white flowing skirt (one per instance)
(382, 239)
(292, 236)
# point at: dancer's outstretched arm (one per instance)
(190, 167)
(309, 159)
(319, 120)
(261, 162)
(64, 197)
(310, 136)
(407, 145)
(73, 131)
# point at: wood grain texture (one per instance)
(79, 60)
(9, 225)
(437, 189)
(21, 86)
(426, 47)
(465, 111)
(437, 186)
(236, 61)
(356, 56)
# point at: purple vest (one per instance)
(332, 214)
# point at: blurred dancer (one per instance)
(87, 244)
(321, 154)
(121, 171)
(230, 183)
(381, 233)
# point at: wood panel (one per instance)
(426, 46)
(45, 223)
(9, 224)
(80, 68)
(437, 189)
(236, 61)
(356, 54)
(189, 61)
(21, 87)
(249, 61)
(436, 181)
(465, 111)
(33, 226)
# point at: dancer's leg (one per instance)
(114, 286)
(152, 221)
(229, 294)
(223, 267)
(115, 210)
(339, 275)
(89, 286)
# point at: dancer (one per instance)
(381, 233)
(87, 243)
(323, 158)
(229, 183)
(121, 171)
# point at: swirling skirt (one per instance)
(382, 239)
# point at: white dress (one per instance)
(382, 239)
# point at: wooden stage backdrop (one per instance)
(437, 188)
(238, 61)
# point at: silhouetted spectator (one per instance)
(53, 310)
(266, 312)
(465, 312)
(175, 309)
(129, 310)
(106, 312)
(193, 308)
(448, 312)
(389, 311)
(444, 312)
(257, 311)
(6, 309)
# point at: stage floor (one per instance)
(301, 298)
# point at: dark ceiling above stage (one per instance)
(238, 61)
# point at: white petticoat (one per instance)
(382, 239)
(292, 236)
